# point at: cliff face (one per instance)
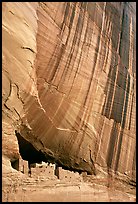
(69, 84)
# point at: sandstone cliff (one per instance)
(69, 84)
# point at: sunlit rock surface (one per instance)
(69, 84)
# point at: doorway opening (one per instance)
(15, 164)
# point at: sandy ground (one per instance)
(49, 190)
(19, 187)
(79, 194)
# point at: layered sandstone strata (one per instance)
(69, 84)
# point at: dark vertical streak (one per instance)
(126, 102)
(122, 27)
(76, 42)
(134, 164)
(111, 146)
(59, 48)
(119, 150)
(131, 108)
(92, 72)
(85, 36)
(122, 124)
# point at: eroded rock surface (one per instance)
(68, 84)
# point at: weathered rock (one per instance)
(69, 84)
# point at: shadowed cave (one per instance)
(29, 153)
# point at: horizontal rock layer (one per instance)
(69, 83)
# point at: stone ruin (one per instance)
(46, 169)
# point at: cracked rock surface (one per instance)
(69, 84)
